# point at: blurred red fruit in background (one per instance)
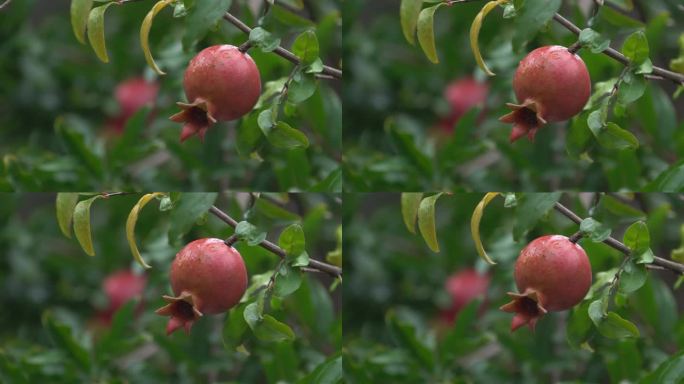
(463, 287)
(121, 287)
(462, 94)
(131, 95)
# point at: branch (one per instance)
(612, 53)
(315, 264)
(612, 242)
(3, 5)
(280, 51)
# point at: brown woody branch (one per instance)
(612, 242)
(280, 51)
(313, 264)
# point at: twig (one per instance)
(612, 53)
(6, 3)
(612, 242)
(280, 51)
(315, 264)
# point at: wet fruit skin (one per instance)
(551, 84)
(463, 287)
(551, 274)
(207, 277)
(221, 84)
(462, 95)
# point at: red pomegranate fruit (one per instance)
(207, 277)
(552, 274)
(131, 95)
(221, 83)
(462, 94)
(551, 84)
(464, 287)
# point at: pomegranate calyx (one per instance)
(182, 310)
(527, 307)
(526, 119)
(197, 119)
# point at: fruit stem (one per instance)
(575, 47)
(244, 47)
(576, 237)
(231, 240)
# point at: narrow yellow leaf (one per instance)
(145, 34)
(475, 33)
(475, 226)
(96, 31)
(410, 201)
(130, 226)
(82, 224)
(426, 221)
(66, 202)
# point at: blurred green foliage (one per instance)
(396, 288)
(57, 98)
(51, 293)
(394, 104)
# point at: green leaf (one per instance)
(266, 327)
(596, 230)
(66, 202)
(292, 240)
(632, 278)
(96, 31)
(287, 281)
(426, 221)
(301, 88)
(328, 372)
(596, 312)
(579, 328)
(631, 88)
(331, 183)
(635, 47)
(670, 180)
(637, 237)
(531, 207)
(82, 224)
(79, 17)
(611, 136)
(410, 201)
(408, 13)
(669, 371)
(201, 18)
(251, 234)
(263, 39)
(407, 337)
(474, 34)
(426, 33)
(615, 327)
(305, 47)
(189, 208)
(282, 135)
(61, 336)
(532, 16)
(82, 149)
(234, 327)
(596, 42)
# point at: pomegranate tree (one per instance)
(464, 287)
(207, 277)
(221, 83)
(551, 84)
(552, 274)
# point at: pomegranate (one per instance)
(553, 274)
(131, 95)
(463, 287)
(120, 287)
(221, 83)
(462, 94)
(551, 84)
(207, 277)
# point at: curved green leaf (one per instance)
(426, 221)
(145, 34)
(82, 224)
(96, 31)
(79, 17)
(66, 202)
(410, 202)
(408, 14)
(426, 32)
(475, 34)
